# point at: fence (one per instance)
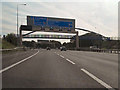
(114, 51)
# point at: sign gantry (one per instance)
(49, 24)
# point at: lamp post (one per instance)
(17, 21)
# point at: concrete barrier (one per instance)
(16, 48)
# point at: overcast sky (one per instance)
(97, 16)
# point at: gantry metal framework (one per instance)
(29, 28)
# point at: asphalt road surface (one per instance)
(60, 69)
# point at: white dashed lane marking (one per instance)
(66, 59)
(62, 56)
(98, 80)
(70, 61)
(91, 75)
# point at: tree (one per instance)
(31, 44)
(11, 38)
(55, 44)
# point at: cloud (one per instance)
(58, 0)
(88, 15)
(6, 28)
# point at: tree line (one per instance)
(12, 38)
(85, 41)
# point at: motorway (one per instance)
(59, 69)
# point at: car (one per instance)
(94, 48)
(63, 48)
(48, 48)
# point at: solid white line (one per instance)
(97, 79)
(11, 66)
(70, 61)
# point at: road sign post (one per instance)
(20, 37)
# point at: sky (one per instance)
(99, 16)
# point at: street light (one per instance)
(17, 19)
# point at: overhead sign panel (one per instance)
(51, 24)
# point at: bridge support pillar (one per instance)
(77, 40)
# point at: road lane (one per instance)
(102, 65)
(13, 57)
(47, 70)
(19, 62)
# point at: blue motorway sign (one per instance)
(54, 23)
(59, 23)
(40, 21)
